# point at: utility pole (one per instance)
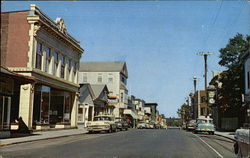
(195, 114)
(205, 76)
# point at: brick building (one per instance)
(34, 45)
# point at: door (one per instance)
(5, 104)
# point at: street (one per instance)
(145, 143)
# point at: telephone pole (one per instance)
(205, 76)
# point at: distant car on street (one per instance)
(141, 125)
(121, 124)
(204, 124)
(191, 125)
(102, 123)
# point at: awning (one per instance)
(131, 113)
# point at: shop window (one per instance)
(39, 56)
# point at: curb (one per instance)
(224, 136)
(12, 143)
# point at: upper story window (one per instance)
(69, 65)
(75, 67)
(203, 99)
(39, 50)
(110, 78)
(62, 66)
(99, 78)
(85, 77)
(122, 98)
(248, 79)
(124, 80)
(56, 61)
(48, 59)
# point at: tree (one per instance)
(184, 112)
(229, 94)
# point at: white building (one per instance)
(114, 75)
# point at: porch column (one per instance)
(74, 112)
(26, 104)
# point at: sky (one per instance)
(159, 40)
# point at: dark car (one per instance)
(121, 123)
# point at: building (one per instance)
(34, 45)
(114, 75)
(153, 110)
(93, 101)
(246, 58)
(200, 101)
(139, 107)
(130, 112)
(10, 84)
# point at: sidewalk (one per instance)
(229, 135)
(42, 135)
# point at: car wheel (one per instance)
(126, 129)
(212, 133)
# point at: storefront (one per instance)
(52, 107)
(9, 98)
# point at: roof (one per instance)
(97, 89)
(16, 76)
(104, 67)
(150, 104)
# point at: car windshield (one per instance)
(204, 121)
(102, 118)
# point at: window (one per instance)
(48, 59)
(99, 78)
(39, 55)
(85, 77)
(248, 79)
(75, 67)
(203, 100)
(62, 66)
(121, 97)
(69, 65)
(56, 59)
(124, 80)
(110, 78)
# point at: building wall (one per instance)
(114, 86)
(23, 31)
(92, 78)
(15, 38)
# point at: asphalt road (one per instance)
(148, 143)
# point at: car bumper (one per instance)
(204, 130)
(97, 129)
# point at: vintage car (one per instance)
(242, 143)
(102, 123)
(204, 124)
(121, 123)
(141, 125)
(191, 125)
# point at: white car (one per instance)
(102, 123)
(242, 144)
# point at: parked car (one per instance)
(242, 143)
(141, 125)
(102, 123)
(121, 123)
(191, 125)
(204, 124)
